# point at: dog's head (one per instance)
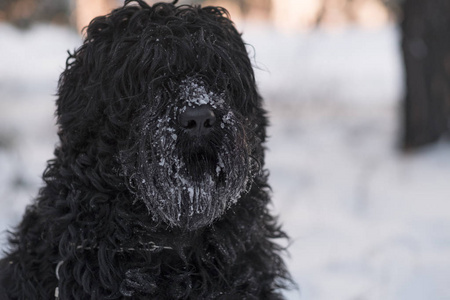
(164, 98)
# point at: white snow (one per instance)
(366, 221)
(194, 93)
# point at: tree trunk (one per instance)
(426, 53)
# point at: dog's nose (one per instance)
(197, 120)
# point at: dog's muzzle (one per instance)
(192, 163)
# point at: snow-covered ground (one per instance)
(366, 221)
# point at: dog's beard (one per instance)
(188, 183)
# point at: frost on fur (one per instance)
(184, 182)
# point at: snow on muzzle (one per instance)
(189, 182)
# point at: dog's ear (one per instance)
(85, 87)
(81, 87)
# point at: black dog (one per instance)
(157, 189)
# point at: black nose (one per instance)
(197, 120)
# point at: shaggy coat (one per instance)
(134, 205)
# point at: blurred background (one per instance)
(358, 95)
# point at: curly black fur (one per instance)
(125, 175)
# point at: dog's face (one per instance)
(170, 93)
